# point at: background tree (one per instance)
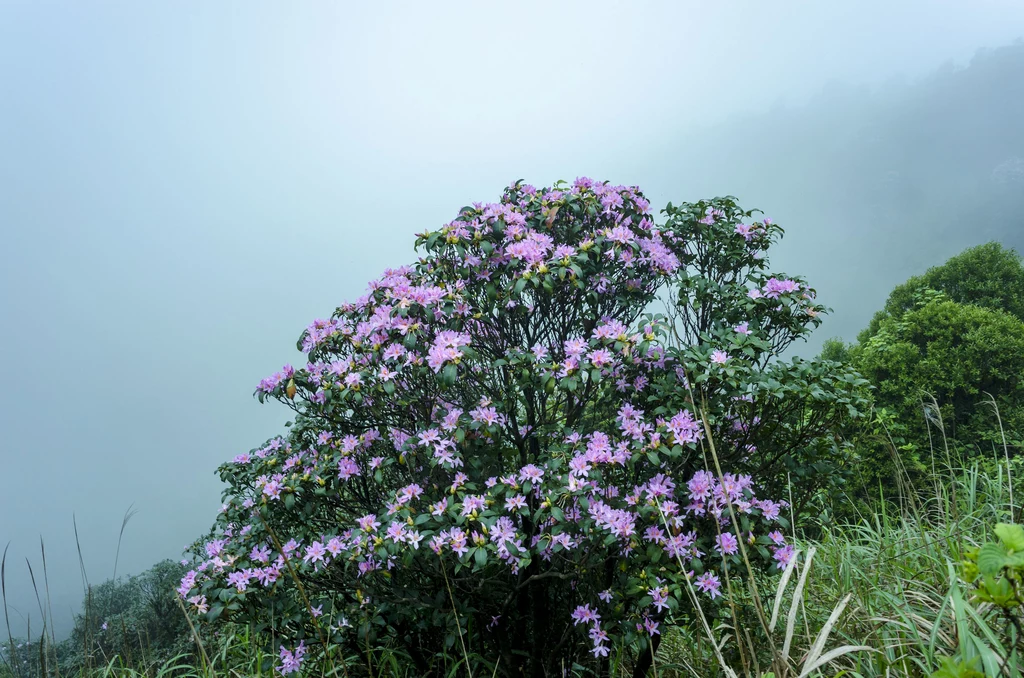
(958, 355)
(947, 346)
(988, 275)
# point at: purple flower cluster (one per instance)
(291, 660)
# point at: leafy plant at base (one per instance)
(996, 569)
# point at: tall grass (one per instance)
(902, 570)
(896, 573)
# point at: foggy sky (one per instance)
(185, 185)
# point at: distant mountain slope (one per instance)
(876, 185)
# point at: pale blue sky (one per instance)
(185, 185)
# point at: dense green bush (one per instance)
(133, 621)
(956, 354)
(134, 617)
(945, 357)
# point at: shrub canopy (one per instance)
(500, 448)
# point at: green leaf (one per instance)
(1012, 536)
(991, 559)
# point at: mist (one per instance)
(185, 186)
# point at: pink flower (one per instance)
(200, 604)
(710, 584)
(315, 553)
(774, 288)
(272, 489)
(369, 523)
(747, 231)
(684, 428)
(601, 357)
(584, 614)
(347, 468)
(291, 661)
(531, 473)
(784, 554)
(727, 543)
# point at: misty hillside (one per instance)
(877, 184)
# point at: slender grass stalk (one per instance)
(13, 660)
(49, 607)
(1006, 453)
(458, 624)
(207, 665)
(42, 613)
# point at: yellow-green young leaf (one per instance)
(963, 669)
(1012, 536)
(997, 591)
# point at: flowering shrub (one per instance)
(500, 451)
